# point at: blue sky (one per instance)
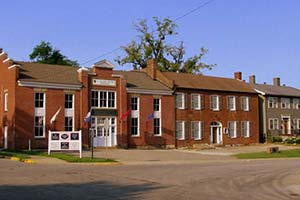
(258, 37)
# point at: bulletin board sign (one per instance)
(65, 141)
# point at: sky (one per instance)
(256, 37)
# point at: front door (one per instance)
(285, 126)
(105, 135)
(216, 133)
(5, 137)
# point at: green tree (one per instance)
(45, 53)
(152, 44)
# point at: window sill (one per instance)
(135, 136)
(180, 139)
(197, 139)
(157, 135)
(39, 137)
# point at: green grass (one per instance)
(281, 154)
(62, 156)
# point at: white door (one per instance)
(105, 135)
(216, 135)
(5, 137)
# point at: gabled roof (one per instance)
(45, 73)
(193, 81)
(276, 90)
(140, 80)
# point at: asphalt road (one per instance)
(228, 179)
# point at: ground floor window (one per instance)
(180, 130)
(232, 129)
(245, 127)
(273, 124)
(68, 123)
(156, 122)
(134, 126)
(39, 130)
(197, 129)
(296, 124)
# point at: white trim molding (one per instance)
(145, 91)
(13, 66)
(7, 60)
(49, 85)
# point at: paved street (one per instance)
(214, 178)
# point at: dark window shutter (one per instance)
(185, 101)
(186, 130)
(202, 130)
(202, 103)
(220, 102)
(250, 106)
(228, 103)
(211, 102)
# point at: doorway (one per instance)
(216, 136)
(105, 131)
(286, 125)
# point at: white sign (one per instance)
(65, 141)
(104, 82)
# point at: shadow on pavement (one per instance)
(91, 190)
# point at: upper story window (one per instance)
(245, 103)
(156, 104)
(180, 100)
(285, 103)
(134, 103)
(197, 101)
(5, 101)
(296, 103)
(103, 99)
(215, 102)
(231, 103)
(69, 101)
(272, 102)
(39, 100)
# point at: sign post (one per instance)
(92, 134)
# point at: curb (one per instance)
(29, 161)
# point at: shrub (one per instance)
(277, 139)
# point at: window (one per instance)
(134, 103)
(273, 124)
(231, 103)
(156, 122)
(245, 103)
(39, 128)
(296, 103)
(134, 126)
(296, 124)
(232, 129)
(95, 99)
(68, 123)
(5, 101)
(245, 127)
(69, 101)
(180, 100)
(285, 103)
(197, 129)
(215, 102)
(272, 102)
(197, 101)
(39, 100)
(156, 104)
(180, 130)
(103, 99)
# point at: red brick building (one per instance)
(142, 107)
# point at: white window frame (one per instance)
(233, 103)
(40, 112)
(198, 97)
(247, 123)
(182, 97)
(272, 102)
(69, 112)
(296, 103)
(182, 123)
(245, 103)
(296, 124)
(200, 125)
(234, 135)
(285, 103)
(6, 101)
(157, 115)
(217, 103)
(273, 124)
(135, 114)
(106, 100)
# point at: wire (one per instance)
(176, 19)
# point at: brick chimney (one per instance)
(276, 81)
(151, 68)
(238, 75)
(252, 79)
